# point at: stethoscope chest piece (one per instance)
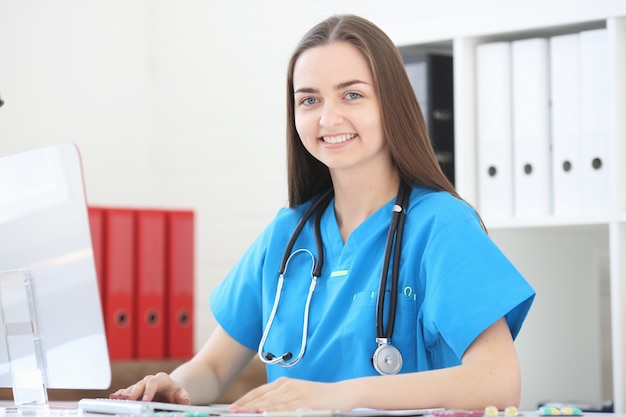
(387, 359)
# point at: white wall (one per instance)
(180, 103)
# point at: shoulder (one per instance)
(273, 238)
(291, 215)
(431, 204)
(286, 220)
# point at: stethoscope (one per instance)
(387, 359)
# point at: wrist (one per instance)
(353, 394)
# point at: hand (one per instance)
(160, 387)
(286, 394)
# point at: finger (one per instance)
(132, 392)
(135, 391)
(151, 388)
(116, 395)
(182, 397)
(161, 387)
(245, 401)
(280, 395)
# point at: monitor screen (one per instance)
(44, 232)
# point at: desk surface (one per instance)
(70, 409)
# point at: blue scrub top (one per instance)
(454, 283)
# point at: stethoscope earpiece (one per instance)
(270, 357)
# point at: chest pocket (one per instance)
(359, 329)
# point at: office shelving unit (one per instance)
(573, 345)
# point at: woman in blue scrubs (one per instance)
(354, 126)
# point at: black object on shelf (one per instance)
(431, 78)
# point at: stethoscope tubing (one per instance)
(284, 359)
(396, 230)
(323, 201)
(393, 244)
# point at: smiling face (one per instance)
(337, 110)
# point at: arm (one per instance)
(489, 375)
(198, 381)
(219, 361)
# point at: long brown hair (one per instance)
(404, 126)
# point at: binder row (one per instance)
(542, 126)
(145, 267)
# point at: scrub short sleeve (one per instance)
(236, 302)
(471, 285)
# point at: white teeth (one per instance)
(338, 139)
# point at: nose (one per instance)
(331, 115)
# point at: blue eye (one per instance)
(308, 101)
(353, 96)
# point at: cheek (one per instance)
(306, 128)
(375, 127)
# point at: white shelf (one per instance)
(557, 221)
(582, 339)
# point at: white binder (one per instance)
(594, 119)
(565, 126)
(532, 181)
(493, 124)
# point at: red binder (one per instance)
(119, 269)
(180, 280)
(96, 226)
(150, 284)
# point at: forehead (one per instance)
(331, 63)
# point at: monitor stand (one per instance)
(23, 342)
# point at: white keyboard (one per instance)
(137, 408)
(145, 409)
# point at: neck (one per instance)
(357, 199)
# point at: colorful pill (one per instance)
(549, 411)
(571, 411)
(491, 410)
(511, 411)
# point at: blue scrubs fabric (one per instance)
(454, 283)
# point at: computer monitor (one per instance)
(45, 234)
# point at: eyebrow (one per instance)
(339, 86)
